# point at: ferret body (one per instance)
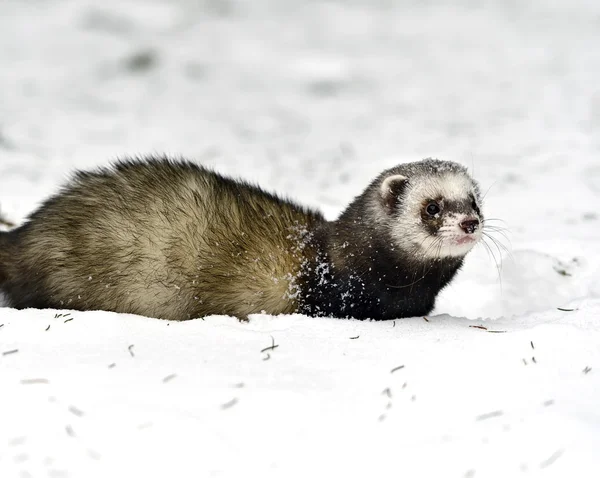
(173, 240)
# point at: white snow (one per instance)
(313, 100)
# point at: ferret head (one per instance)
(432, 208)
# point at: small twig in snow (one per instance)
(566, 310)
(75, 411)
(494, 414)
(10, 352)
(112, 365)
(425, 319)
(478, 327)
(68, 320)
(395, 369)
(533, 360)
(497, 331)
(551, 459)
(32, 381)
(229, 404)
(130, 348)
(168, 378)
(271, 347)
(70, 431)
(532, 345)
(354, 338)
(387, 392)
(587, 370)
(48, 328)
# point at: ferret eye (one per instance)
(432, 209)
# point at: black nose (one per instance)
(469, 225)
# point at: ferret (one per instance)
(174, 240)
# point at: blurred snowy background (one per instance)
(312, 99)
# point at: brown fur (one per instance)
(158, 238)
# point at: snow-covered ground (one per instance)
(313, 99)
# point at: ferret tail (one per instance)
(3, 257)
(5, 223)
(4, 254)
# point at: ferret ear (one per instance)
(391, 188)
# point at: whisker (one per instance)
(502, 232)
(499, 244)
(488, 190)
(492, 255)
(486, 219)
(487, 236)
(497, 228)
